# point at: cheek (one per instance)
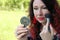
(36, 12)
(45, 11)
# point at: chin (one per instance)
(42, 21)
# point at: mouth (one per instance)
(41, 18)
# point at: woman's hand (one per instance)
(45, 34)
(21, 33)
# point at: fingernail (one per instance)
(26, 30)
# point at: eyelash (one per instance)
(45, 8)
(37, 8)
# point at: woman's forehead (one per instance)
(35, 1)
(38, 2)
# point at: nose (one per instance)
(40, 12)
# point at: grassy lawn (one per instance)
(9, 20)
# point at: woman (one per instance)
(42, 28)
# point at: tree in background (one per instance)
(15, 4)
(12, 4)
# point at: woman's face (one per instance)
(40, 10)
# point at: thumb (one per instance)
(47, 24)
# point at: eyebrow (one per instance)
(41, 6)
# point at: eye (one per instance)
(44, 7)
(35, 8)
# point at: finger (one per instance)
(18, 29)
(21, 35)
(23, 31)
(45, 28)
(20, 26)
(47, 24)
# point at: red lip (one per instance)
(41, 18)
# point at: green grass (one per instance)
(9, 20)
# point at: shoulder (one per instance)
(56, 37)
(54, 33)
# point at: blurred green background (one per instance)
(10, 13)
